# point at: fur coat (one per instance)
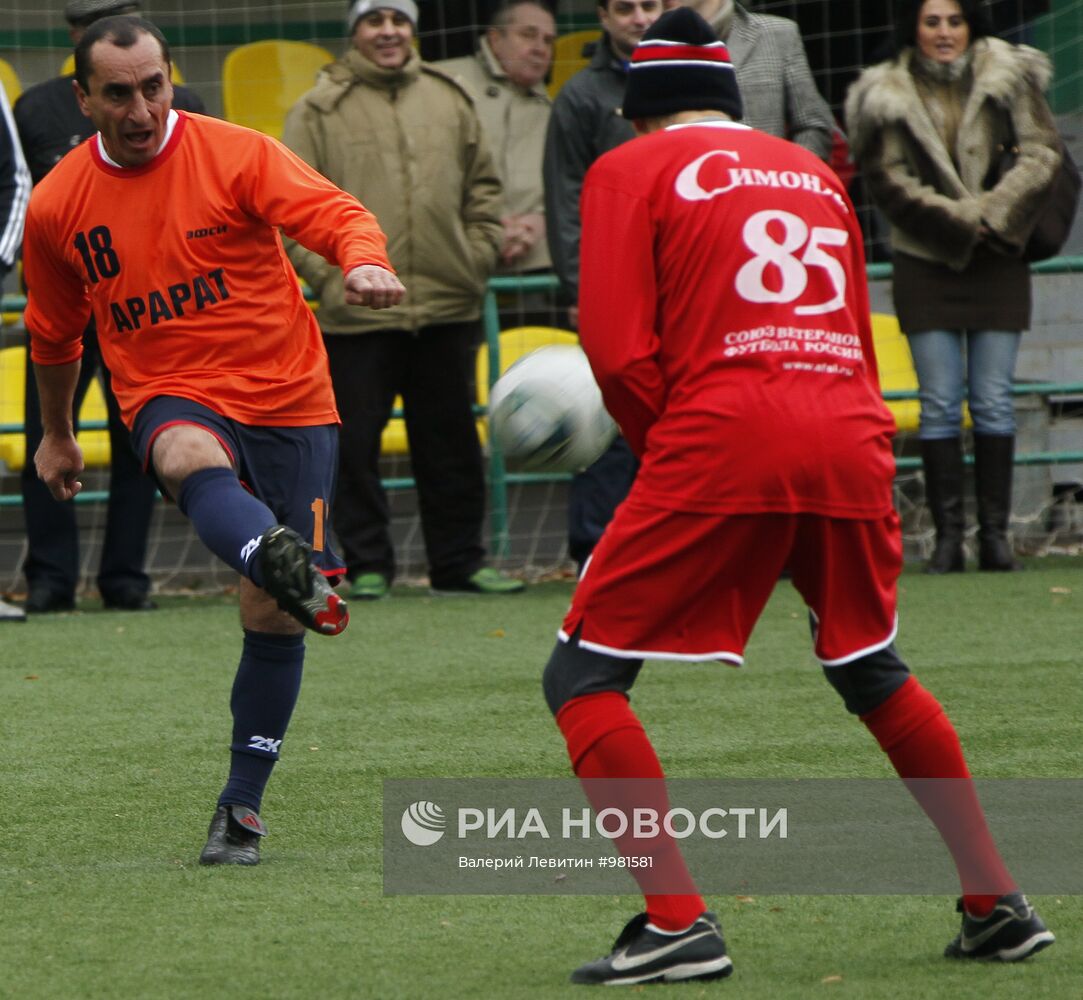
(933, 196)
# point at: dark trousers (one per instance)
(594, 495)
(52, 532)
(433, 370)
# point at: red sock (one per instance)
(606, 740)
(921, 743)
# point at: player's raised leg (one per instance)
(193, 465)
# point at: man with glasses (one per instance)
(506, 78)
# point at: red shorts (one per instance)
(666, 584)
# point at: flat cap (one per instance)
(88, 11)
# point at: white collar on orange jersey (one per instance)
(170, 124)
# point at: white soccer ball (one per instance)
(546, 411)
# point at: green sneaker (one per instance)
(485, 581)
(369, 587)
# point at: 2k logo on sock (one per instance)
(264, 743)
(249, 549)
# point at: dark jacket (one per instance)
(50, 123)
(585, 122)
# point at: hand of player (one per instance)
(58, 461)
(373, 286)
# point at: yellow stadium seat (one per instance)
(514, 343)
(568, 57)
(896, 368)
(12, 446)
(95, 444)
(10, 79)
(261, 81)
(67, 68)
(394, 441)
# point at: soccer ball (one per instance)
(546, 411)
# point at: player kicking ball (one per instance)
(724, 310)
(165, 225)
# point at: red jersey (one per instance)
(182, 264)
(724, 309)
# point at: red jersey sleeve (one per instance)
(618, 300)
(57, 318)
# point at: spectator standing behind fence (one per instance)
(779, 92)
(781, 99)
(506, 78)
(404, 136)
(586, 122)
(926, 128)
(50, 126)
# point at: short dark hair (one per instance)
(86, 20)
(121, 30)
(604, 4)
(502, 15)
(908, 11)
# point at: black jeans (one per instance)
(433, 369)
(52, 531)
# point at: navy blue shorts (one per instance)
(291, 469)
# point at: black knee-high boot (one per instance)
(993, 467)
(942, 459)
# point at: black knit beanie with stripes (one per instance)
(680, 65)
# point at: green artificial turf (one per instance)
(113, 742)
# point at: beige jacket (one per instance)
(409, 145)
(515, 121)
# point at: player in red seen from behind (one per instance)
(724, 310)
(165, 225)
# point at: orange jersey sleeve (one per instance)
(182, 264)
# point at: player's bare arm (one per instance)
(373, 286)
(59, 459)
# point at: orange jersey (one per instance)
(182, 264)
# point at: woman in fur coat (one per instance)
(927, 129)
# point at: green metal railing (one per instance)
(499, 476)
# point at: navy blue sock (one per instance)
(227, 518)
(264, 693)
